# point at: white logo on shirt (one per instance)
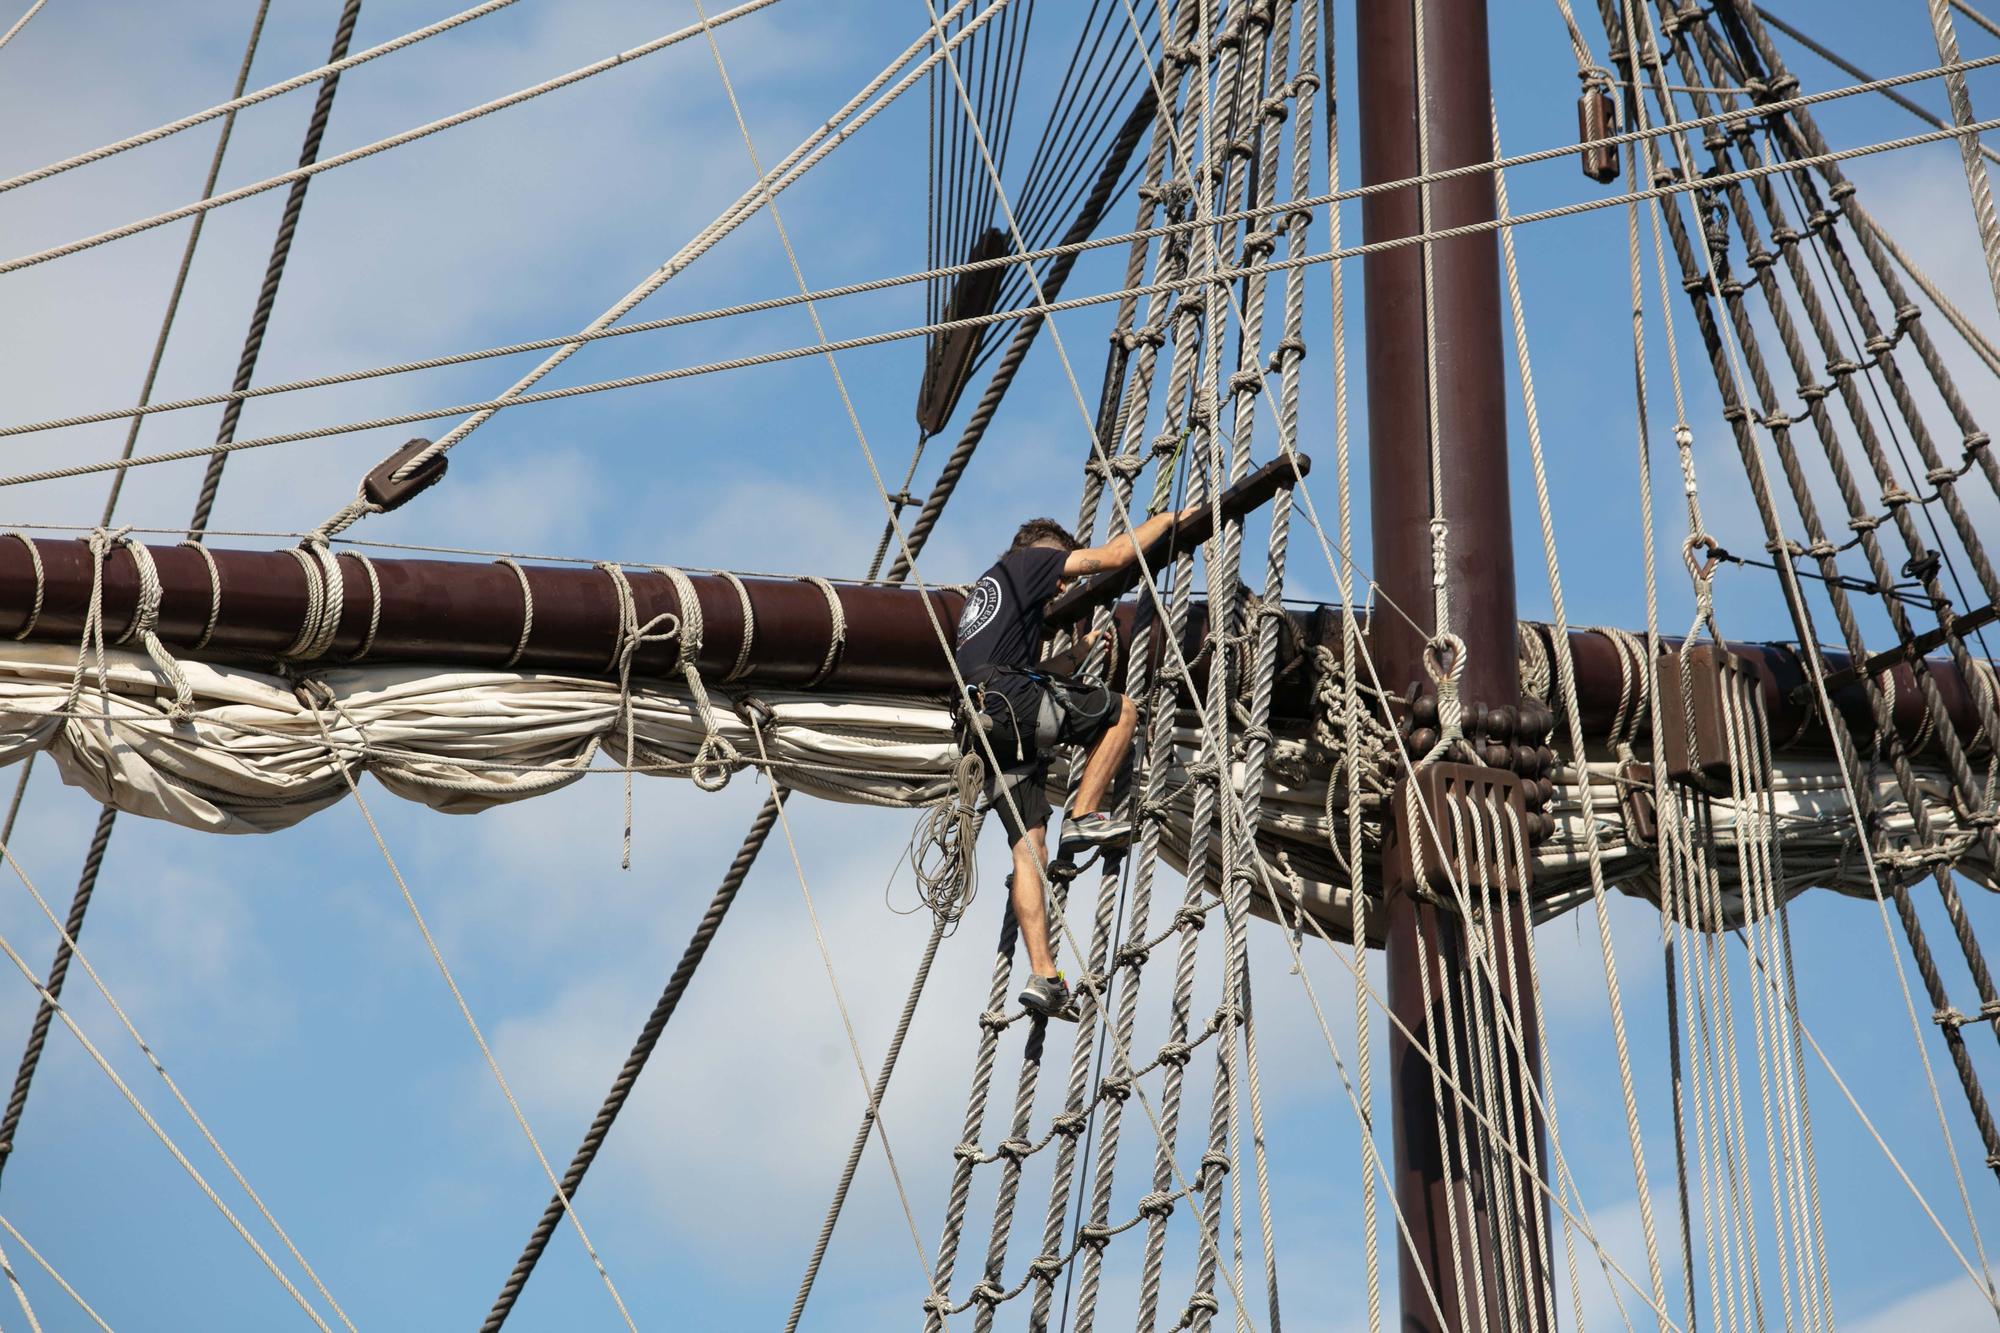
(981, 606)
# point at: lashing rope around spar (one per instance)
(41, 586)
(144, 626)
(215, 593)
(326, 598)
(715, 759)
(527, 612)
(836, 643)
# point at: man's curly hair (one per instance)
(1044, 532)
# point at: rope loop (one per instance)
(943, 857)
(374, 611)
(715, 760)
(1444, 663)
(837, 639)
(145, 622)
(527, 612)
(1158, 1203)
(41, 584)
(326, 597)
(1704, 572)
(99, 542)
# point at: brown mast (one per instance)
(1432, 1185)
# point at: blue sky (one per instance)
(281, 979)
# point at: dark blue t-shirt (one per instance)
(1001, 628)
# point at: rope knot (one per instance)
(1158, 1203)
(1123, 465)
(1215, 1161)
(1176, 1053)
(1116, 1088)
(1014, 1150)
(1095, 1236)
(1070, 1123)
(1259, 244)
(1047, 1267)
(967, 1152)
(993, 1020)
(988, 1293)
(1201, 1302)
(1146, 335)
(1191, 918)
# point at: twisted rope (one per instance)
(635, 1062)
(274, 271)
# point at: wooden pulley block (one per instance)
(1597, 118)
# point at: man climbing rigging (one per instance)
(1026, 709)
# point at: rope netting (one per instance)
(1232, 100)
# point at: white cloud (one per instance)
(1955, 1303)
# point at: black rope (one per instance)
(1696, 284)
(642, 1049)
(1024, 334)
(38, 1035)
(1750, 52)
(93, 860)
(274, 272)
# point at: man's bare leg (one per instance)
(1030, 907)
(1101, 761)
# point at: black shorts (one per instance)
(1083, 712)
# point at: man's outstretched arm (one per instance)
(1122, 552)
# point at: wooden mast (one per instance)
(1440, 74)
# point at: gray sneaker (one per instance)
(1047, 997)
(1094, 830)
